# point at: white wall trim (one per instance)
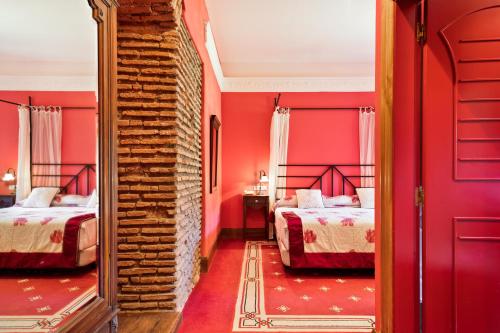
(298, 84)
(48, 83)
(214, 55)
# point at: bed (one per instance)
(62, 233)
(326, 237)
(54, 237)
(334, 237)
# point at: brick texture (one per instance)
(159, 162)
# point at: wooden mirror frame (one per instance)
(100, 314)
(214, 150)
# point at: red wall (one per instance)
(315, 137)
(79, 131)
(195, 16)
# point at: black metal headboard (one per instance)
(75, 178)
(331, 179)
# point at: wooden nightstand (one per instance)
(7, 200)
(256, 201)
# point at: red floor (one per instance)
(38, 302)
(210, 308)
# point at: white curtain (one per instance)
(278, 152)
(46, 141)
(367, 145)
(23, 186)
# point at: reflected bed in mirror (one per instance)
(49, 237)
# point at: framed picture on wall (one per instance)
(214, 150)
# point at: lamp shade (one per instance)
(9, 176)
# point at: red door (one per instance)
(461, 167)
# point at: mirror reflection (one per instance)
(48, 163)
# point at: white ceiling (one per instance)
(50, 38)
(294, 38)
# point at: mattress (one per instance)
(347, 238)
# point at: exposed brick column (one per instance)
(159, 110)
(188, 167)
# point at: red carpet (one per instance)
(324, 302)
(39, 303)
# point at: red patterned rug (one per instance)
(40, 303)
(274, 299)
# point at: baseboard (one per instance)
(131, 322)
(237, 233)
(177, 324)
(205, 262)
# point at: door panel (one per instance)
(476, 275)
(461, 166)
(473, 43)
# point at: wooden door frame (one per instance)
(100, 314)
(384, 172)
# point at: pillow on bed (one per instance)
(309, 199)
(367, 197)
(70, 200)
(92, 203)
(288, 201)
(20, 203)
(341, 201)
(40, 197)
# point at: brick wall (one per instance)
(188, 168)
(159, 110)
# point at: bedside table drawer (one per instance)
(256, 201)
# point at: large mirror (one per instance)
(55, 216)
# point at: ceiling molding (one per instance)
(299, 84)
(48, 83)
(47, 68)
(313, 39)
(281, 84)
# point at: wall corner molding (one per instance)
(214, 55)
(48, 83)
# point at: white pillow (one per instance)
(341, 201)
(287, 201)
(20, 203)
(92, 203)
(41, 197)
(367, 197)
(70, 200)
(309, 199)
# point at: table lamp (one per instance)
(9, 178)
(262, 179)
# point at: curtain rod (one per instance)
(62, 107)
(352, 108)
(9, 102)
(331, 109)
